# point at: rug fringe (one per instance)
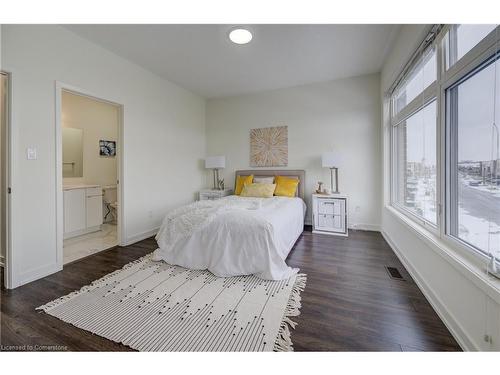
(283, 342)
(52, 304)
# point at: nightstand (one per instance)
(210, 194)
(330, 214)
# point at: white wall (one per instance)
(164, 137)
(3, 154)
(468, 306)
(342, 115)
(99, 121)
(2, 161)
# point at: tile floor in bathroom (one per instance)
(88, 244)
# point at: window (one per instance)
(474, 160)
(416, 163)
(462, 104)
(462, 38)
(414, 139)
(420, 77)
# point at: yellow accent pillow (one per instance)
(258, 190)
(242, 181)
(286, 186)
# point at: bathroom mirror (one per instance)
(72, 154)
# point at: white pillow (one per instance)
(263, 180)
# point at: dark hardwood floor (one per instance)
(350, 302)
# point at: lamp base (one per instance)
(216, 179)
(336, 191)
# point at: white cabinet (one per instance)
(330, 214)
(210, 194)
(82, 211)
(94, 211)
(74, 211)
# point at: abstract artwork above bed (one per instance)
(269, 147)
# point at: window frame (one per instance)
(446, 78)
(422, 100)
(416, 102)
(426, 101)
(476, 63)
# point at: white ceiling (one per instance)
(202, 59)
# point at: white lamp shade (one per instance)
(213, 162)
(331, 159)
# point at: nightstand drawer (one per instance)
(211, 195)
(334, 223)
(331, 206)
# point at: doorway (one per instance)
(89, 167)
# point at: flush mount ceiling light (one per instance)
(240, 36)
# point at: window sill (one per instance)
(473, 271)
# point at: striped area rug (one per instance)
(154, 306)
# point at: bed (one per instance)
(236, 236)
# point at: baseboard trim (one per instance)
(455, 328)
(368, 227)
(141, 236)
(38, 273)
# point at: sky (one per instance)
(421, 135)
(475, 115)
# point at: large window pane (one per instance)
(462, 38)
(415, 146)
(475, 212)
(421, 77)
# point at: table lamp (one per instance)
(332, 160)
(215, 163)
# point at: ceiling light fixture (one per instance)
(240, 36)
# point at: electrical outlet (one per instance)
(150, 214)
(357, 209)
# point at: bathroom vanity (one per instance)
(82, 209)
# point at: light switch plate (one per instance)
(31, 153)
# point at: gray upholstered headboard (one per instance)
(292, 173)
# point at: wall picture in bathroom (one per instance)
(107, 148)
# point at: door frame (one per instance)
(7, 143)
(59, 88)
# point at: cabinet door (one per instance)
(94, 211)
(74, 210)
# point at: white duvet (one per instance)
(233, 236)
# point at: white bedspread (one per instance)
(233, 236)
